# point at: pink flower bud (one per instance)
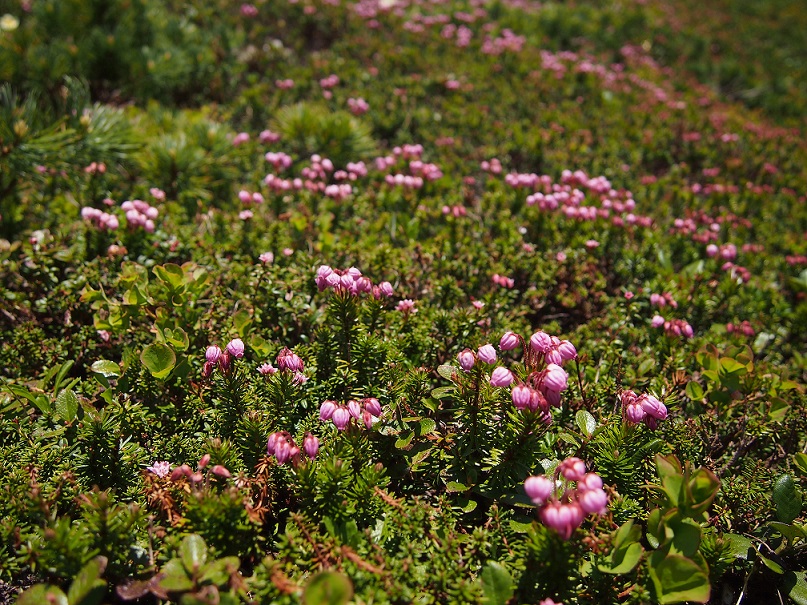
(554, 378)
(236, 348)
(521, 395)
(538, 401)
(593, 501)
(221, 471)
(203, 462)
(310, 445)
(634, 412)
(327, 409)
(181, 471)
(567, 350)
(287, 360)
(538, 488)
(589, 481)
(573, 469)
(467, 359)
(657, 321)
(354, 408)
(207, 369)
(653, 407)
(386, 288)
(341, 416)
(213, 353)
(267, 369)
(553, 356)
(509, 341)
(372, 405)
(487, 353)
(271, 443)
(540, 342)
(501, 377)
(283, 450)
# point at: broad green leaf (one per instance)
(795, 586)
(174, 577)
(731, 366)
(623, 559)
(159, 359)
(793, 533)
(426, 426)
(694, 391)
(441, 392)
(220, 570)
(676, 578)
(455, 486)
(193, 552)
(739, 545)
(88, 588)
(800, 460)
(627, 533)
(778, 409)
(446, 371)
(177, 338)
(328, 588)
(106, 368)
(686, 537)
(42, 594)
(67, 405)
(404, 440)
(170, 274)
(497, 584)
(242, 321)
(787, 499)
(585, 422)
(771, 564)
(702, 489)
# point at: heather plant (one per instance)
(355, 301)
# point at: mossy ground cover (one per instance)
(395, 301)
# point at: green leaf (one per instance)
(159, 359)
(701, 490)
(193, 552)
(171, 275)
(694, 391)
(623, 559)
(676, 578)
(800, 460)
(174, 577)
(242, 321)
(731, 366)
(456, 487)
(795, 586)
(426, 427)
(585, 422)
(67, 405)
(404, 440)
(177, 338)
(739, 546)
(771, 564)
(328, 588)
(497, 584)
(686, 537)
(787, 499)
(441, 392)
(42, 594)
(87, 588)
(446, 371)
(106, 368)
(628, 532)
(793, 533)
(220, 570)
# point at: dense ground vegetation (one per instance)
(394, 301)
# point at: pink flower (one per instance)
(341, 417)
(467, 359)
(236, 348)
(487, 353)
(521, 394)
(589, 481)
(593, 501)
(509, 341)
(657, 321)
(573, 469)
(538, 488)
(653, 407)
(287, 360)
(160, 469)
(634, 413)
(541, 342)
(310, 445)
(501, 377)
(406, 306)
(555, 378)
(267, 258)
(385, 288)
(563, 518)
(567, 350)
(327, 409)
(212, 353)
(373, 406)
(221, 471)
(266, 369)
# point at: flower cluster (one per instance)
(642, 408)
(673, 327)
(185, 471)
(140, 214)
(100, 219)
(563, 507)
(368, 410)
(281, 445)
(215, 357)
(351, 281)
